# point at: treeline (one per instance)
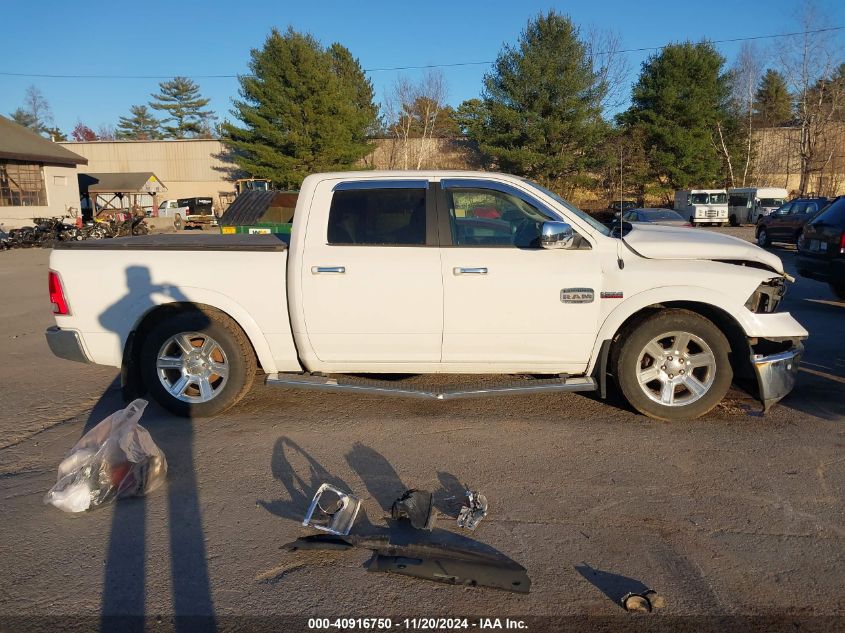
(184, 114)
(548, 110)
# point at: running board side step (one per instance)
(387, 388)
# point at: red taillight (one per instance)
(57, 295)
(842, 244)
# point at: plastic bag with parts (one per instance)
(115, 459)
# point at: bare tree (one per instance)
(746, 74)
(611, 66)
(36, 104)
(412, 111)
(106, 132)
(810, 62)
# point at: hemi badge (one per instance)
(613, 294)
(577, 295)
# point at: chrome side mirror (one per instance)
(557, 235)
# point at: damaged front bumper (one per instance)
(776, 373)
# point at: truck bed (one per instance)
(184, 242)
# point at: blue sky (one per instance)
(215, 37)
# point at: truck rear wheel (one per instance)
(197, 364)
(673, 365)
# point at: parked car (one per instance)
(664, 217)
(821, 249)
(785, 224)
(621, 205)
(390, 272)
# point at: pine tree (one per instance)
(55, 134)
(26, 119)
(140, 126)
(181, 102)
(773, 103)
(540, 112)
(304, 108)
(681, 103)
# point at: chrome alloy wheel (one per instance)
(192, 367)
(676, 369)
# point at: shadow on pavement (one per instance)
(301, 475)
(614, 586)
(123, 604)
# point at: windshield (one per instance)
(598, 226)
(661, 214)
(772, 202)
(709, 198)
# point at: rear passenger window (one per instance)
(833, 215)
(378, 216)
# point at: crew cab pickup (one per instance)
(431, 272)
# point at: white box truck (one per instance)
(746, 205)
(703, 206)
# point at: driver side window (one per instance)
(484, 217)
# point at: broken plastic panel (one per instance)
(474, 510)
(332, 510)
(417, 507)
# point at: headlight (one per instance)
(768, 296)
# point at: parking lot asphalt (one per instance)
(735, 515)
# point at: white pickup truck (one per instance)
(431, 272)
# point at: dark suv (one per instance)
(786, 224)
(821, 249)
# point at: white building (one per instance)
(37, 177)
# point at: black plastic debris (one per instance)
(416, 506)
(459, 570)
(474, 510)
(434, 561)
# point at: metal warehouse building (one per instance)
(189, 167)
(37, 177)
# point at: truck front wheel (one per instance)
(673, 365)
(197, 364)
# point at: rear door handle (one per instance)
(469, 271)
(319, 270)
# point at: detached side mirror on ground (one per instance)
(557, 235)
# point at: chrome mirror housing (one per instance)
(557, 235)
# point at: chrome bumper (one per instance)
(776, 374)
(66, 344)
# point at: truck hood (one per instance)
(668, 242)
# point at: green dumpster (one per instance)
(260, 212)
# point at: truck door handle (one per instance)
(469, 271)
(319, 270)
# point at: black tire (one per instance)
(838, 289)
(627, 363)
(763, 238)
(239, 357)
(734, 221)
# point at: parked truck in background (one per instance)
(746, 205)
(703, 206)
(189, 213)
(431, 272)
